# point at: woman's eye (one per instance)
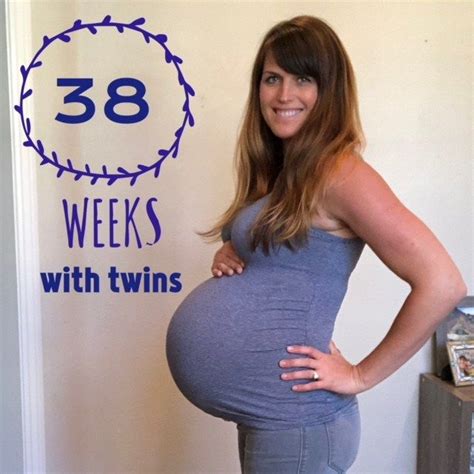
(304, 79)
(271, 79)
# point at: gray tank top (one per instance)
(227, 336)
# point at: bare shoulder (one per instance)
(351, 170)
(352, 177)
(361, 198)
(356, 186)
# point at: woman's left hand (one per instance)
(334, 372)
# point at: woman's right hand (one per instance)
(226, 261)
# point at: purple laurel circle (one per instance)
(105, 174)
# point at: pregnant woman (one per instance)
(255, 348)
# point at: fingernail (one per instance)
(290, 348)
(284, 376)
(239, 270)
(294, 388)
(282, 363)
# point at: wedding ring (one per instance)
(315, 375)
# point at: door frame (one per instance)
(18, 17)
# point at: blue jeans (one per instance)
(327, 448)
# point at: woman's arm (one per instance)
(363, 200)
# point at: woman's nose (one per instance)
(285, 91)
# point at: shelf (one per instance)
(444, 427)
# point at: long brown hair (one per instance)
(296, 178)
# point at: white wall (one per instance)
(110, 403)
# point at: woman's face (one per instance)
(286, 100)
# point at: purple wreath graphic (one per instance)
(105, 174)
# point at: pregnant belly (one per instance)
(226, 338)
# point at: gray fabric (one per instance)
(225, 233)
(327, 448)
(227, 336)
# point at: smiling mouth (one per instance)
(287, 112)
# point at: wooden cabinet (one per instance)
(444, 427)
